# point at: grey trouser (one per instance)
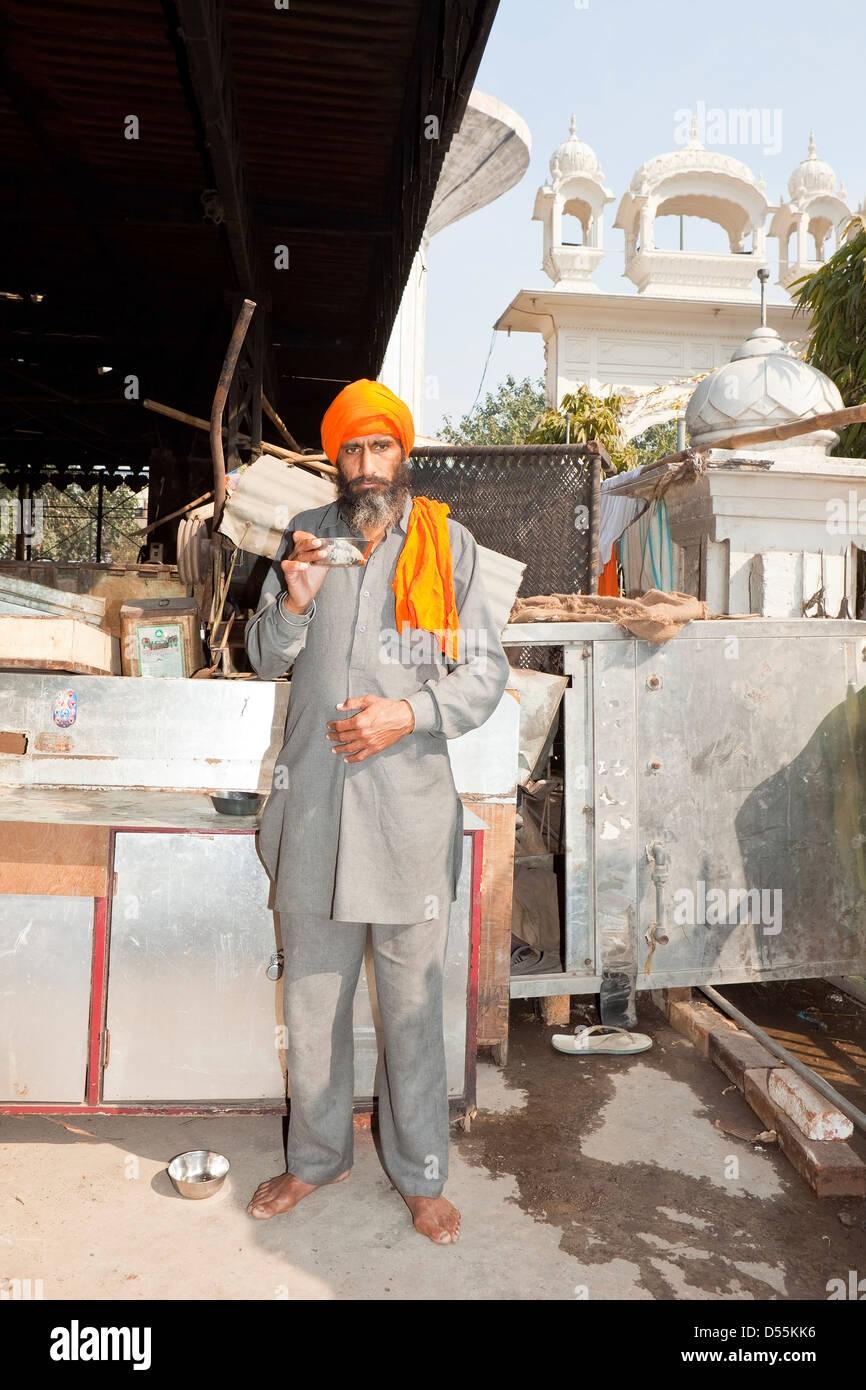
(322, 963)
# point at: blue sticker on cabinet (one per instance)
(65, 709)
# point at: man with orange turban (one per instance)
(364, 827)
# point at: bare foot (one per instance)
(435, 1217)
(280, 1194)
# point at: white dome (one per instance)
(690, 158)
(812, 175)
(574, 156)
(764, 384)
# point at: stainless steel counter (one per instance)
(156, 982)
(142, 809)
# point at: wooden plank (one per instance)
(556, 1009)
(497, 887)
(50, 860)
(57, 644)
(23, 596)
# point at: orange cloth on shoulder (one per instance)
(424, 579)
(366, 407)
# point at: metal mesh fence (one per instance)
(537, 503)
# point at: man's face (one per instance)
(368, 463)
(372, 481)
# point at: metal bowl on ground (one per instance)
(237, 803)
(198, 1173)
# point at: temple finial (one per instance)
(763, 276)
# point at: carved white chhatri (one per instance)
(695, 182)
(576, 190)
(815, 209)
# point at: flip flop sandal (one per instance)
(526, 960)
(602, 1040)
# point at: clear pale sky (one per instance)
(626, 69)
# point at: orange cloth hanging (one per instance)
(608, 580)
(424, 581)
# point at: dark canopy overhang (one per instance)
(155, 157)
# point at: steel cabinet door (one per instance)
(46, 946)
(191, 1012)
(749, 768)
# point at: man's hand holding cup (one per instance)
(303, 578)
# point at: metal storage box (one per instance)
(715, 817)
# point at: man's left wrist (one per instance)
(423, 708)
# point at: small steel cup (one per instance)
(198, 1173)
(341, 551)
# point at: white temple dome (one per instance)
(812, 175)
(763, 385)
(690, 158)
(574, 156)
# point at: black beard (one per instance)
(365, 510)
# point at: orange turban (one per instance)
(366, 407)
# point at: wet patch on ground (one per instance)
(624, 1156)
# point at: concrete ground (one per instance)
(600, 1178)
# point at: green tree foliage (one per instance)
(505, 416)
(516, 414)
(582, 416)
(835, 297)
(655, 442)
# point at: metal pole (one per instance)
(20, 547)
(594, 523)
(99, 495)
(239, 332)
(818, 1082)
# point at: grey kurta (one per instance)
(379, 840)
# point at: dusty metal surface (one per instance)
(750, 750)
(191, 1011)
(144, 808)
(45, 954)
(715, 815)
(126, 732)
